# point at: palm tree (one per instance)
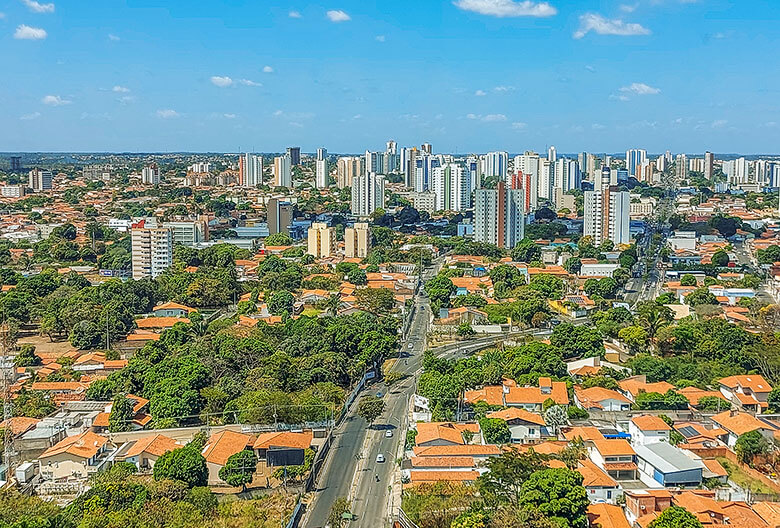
(333, 303)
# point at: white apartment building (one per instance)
(39, 180)
(368, 194)
(189, 232)
(424, 201)
(321, 173)
(150, 175)
(321, 240)
(152, 248)
(12, 191)
(347, 168)
(357, 241)
(607, 216)
(251, 170)
(495, 164)
(283, 171)
(452, 188)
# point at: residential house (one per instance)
(736, 423)
(526, 427)
(172, 309)
(533, 398)
(76, 457)
(631, 387)
(444, 433)
(144, 452)
(141, 417)
(648, 429)
(600, 399)
(607, 516)
(280, 440)
(616, 457)
(599, 485)
(749, 392)
(220, 447)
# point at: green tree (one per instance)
(495, 431)
(573, 265)
(635, 338)
(357, 277)
(185, 464)
(559, 495)
(375, 300)
(281, 303)
(688, 280)
(750, 445)
(439, 290)
(577, 341)
(701, 296)
(774, 399)
(653, 316)
(526, 251)
(26, 357)
(278, 239)
(556, 417)
(548, 285)
(720, 258)
(675, 517)
(370, 408)
(471, 519)
(239, 469)
(504, 481)
(465, 330)
(337, 510)
(121, 417)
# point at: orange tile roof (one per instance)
(86, 445)
(457, 450)
(514, 413)
(519, 395)
(616, 447)
(491, 394)
(740, 423)
(156, 445)
(714, 467)
(443, 462)
(446, 476)
(101, 420)
(635, 386)
(19, 424)
(223, 445)
(586, 433)
(607, 516)
(769, 512)
(66, 386)
(593, 396)
(754, 382)
(284, 439)
(694, 394)
(159, 322)
(173, 306)
(447, 431)
(648, 422)
(593, 476)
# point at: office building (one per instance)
(498, 216)
(347, 168)
(152, 249)
(16, 163)
(634, 159)
(279, 216)
(12, 191)
(295, 155)
(450, 184)
(368, 194)
(607, 214)
(250, 170)
(321, 240)
(357, 241)
(39, 180)
(321, 173)
(283, 170)
(189, 232)
(709, 164)
(150, 175)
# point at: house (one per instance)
(736, 423)
(668, 465)
(463, 314)
(591, 366)
(616, 457)
(599, 485)
(159, 323)
(695, 394)
(480, 453)
(78, 456)
(600, 399)
(607, 516)
(145, 451)
(698, 435)
(533, 398)
(172, 309)
(444, 433)
(646, 502)
(454, 463)
(220, 447)
(631, 387)
(592, 268)
(749, 392)
(141, 417)
(648, 429)
(281, 439)
(526, 427)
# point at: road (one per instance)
(351, 469)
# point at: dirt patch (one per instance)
(45, 348)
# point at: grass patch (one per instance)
(312, 312)
(742, 479)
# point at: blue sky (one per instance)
(467, 76)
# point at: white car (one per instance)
(380, 458)
(389, 433)
(411, 345)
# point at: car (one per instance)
(411, 345)
(379, 394)
(380, 458)
(389, 433)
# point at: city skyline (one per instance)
(656, 74)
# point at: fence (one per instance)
(728, 454)
(296, 515)
(405, 521)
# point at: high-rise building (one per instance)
(607, 215)
(295, 155)
(552, 154)
(12, 191)
(709, 164)
(423, 171)
(250, 170)
(321, 173)
(496, 164)
(681, 164)
(283, 170)
(392, 161)
(16, 163)
(408, 163)
(347, 168)
(368, 194)
(152, 248)
(357, 241)
(498, 216)
(374, 162)
(322, 153)
(39, 180)
(567, 175)
(321, 240)
(279, 216)
(529, 164)
(189, 232)
(451, 185)
(150, 175)
(634, 159)
(427, 148)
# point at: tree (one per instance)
(675, 517)
(185, 464)
(720, 258)
(606, 287)
(281, 302)
(577, 341)
(26, 357)
(526, 251)
(439, 290)
(556, 417)
(357, 277)
(635, 338)
(239, 469)
(688, 280)
(774, 399)
(726, 225)
(121, 417)
(653, 316)
(471, 519)
(573, 265)
(701, 296)
(507, 472)
(370, 408)
(278, 239)
(495, 431)
(548, 285)
(375, 300)
(465, 330)
(559, 495)
(750, 445)
(337, 510)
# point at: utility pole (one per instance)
(7, 380)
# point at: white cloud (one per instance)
(604, 26)
(2, 16)
(337, 15)
(480, 93)
(113, 37)
(120, 89)
(222, 82)
(126, 99)
(229, 116)
(30, 117)
(24, 32)
(295, 14)
(489, 118)
(267, 69)
(640, 89)
(248, 82)
(38, 7)
(380, 38)
(619, 97)
(719, 123)
(507, 8)
(167, 113)
(518, 125)
(597, 126)
(504, 89)
(295, 124)
(54, 100)
(629, 8)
